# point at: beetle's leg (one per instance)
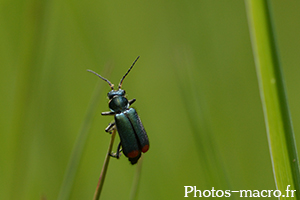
(131, 101)
(119, 150)
(118, 154)
(108, 113)
(110, 127)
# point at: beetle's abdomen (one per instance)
(128, 139)
(132, 134)
(118, 104)
(139, 129)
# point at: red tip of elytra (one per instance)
(133, 154)
(145, 148)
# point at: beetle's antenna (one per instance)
(121, 82)
(110, 84)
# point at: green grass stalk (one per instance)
(104, 168)
(277, 116)
(136, 180)
(68, 182)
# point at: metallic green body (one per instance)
(134, 139)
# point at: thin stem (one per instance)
(72, 168)
(136, 179)
(104, 168)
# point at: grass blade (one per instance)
(273, 96)
(136, 179)
(104, 168)
(198, 114)
(77, 151)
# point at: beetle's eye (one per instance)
(110, 95)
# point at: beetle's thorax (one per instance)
(118, 102)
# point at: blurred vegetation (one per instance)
(195, 85)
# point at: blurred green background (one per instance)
(195, 85)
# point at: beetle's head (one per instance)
(117, 101)
(113, 93)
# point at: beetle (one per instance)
(133, 137)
